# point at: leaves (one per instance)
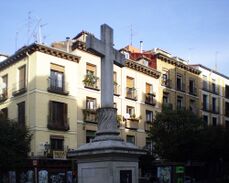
(14, 144)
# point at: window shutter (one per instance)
(129, 82)
(51, 111)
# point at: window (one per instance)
(91, 69)
(214, 86)
(58, 116)
(179, 82)
(4, 113)
(192, 105)
(130, 110)
(116, 86)
(205, 82)
(227, 123)
(214, 109)
(192, 87)
(21, 113)
(165, 99)
(214, 121)
(57, 143)
(227, 109)
(227, 91)
(56, 80)
(4, 88)
(130, 90)
(179, 102)
(130, 139)
(165, 78)
(91, 103)
(149, 88)
(115, 105)
(149, 116)
(205, 118)
(22, 76)
(129, 82)
(90, 135)
(205, 102)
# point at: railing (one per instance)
(4, 95)
(89, 115)
(91, 81)
(19, 88)
(117, 89)
(56, 87)
(211, 89)
(167, 83)
(149, 99)
(60, 125)
(132, 123)
(215, 110)
(131, 93)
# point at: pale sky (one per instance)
(197, 30)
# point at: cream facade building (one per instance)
(55, 91)
(213, 89)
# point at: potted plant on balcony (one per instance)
(90, 80)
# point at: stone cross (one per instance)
(104, 47)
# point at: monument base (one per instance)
(107, 162)
(107, 159)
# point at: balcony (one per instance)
(149, 99)
(89, 115)
(55, 86)
(132, 123)
(60, 125)
(167, 106)
(91, 81)
(19, 88)
(131, 93)
(4, 95)
(148, 125)
(167, 83)
(205, 107)
(117, 90)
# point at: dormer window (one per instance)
(145, 62)
(127, 55)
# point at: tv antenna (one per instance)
(216, 60)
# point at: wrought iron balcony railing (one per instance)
(59, 125)
(55, 86)
(131, 93)
(19, 88)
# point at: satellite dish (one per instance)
(126, 116)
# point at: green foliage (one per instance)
(90, 79)
(14, 144)
(175, 134)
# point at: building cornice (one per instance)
(142, 68)
(177, 63)
(23, 52)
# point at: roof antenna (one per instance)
(131, 34)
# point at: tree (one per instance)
(14, 144)
(176, 135)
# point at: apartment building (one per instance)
(213, 88)
(55, 91)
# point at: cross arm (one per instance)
(95, 45)
(119, 58)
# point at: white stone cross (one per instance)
(104, 47)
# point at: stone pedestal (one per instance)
(107, 159)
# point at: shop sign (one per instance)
(59, 155)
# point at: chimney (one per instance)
(141, 46)
(68, 44)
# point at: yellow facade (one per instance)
(62, 85)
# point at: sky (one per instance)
(195, 30)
